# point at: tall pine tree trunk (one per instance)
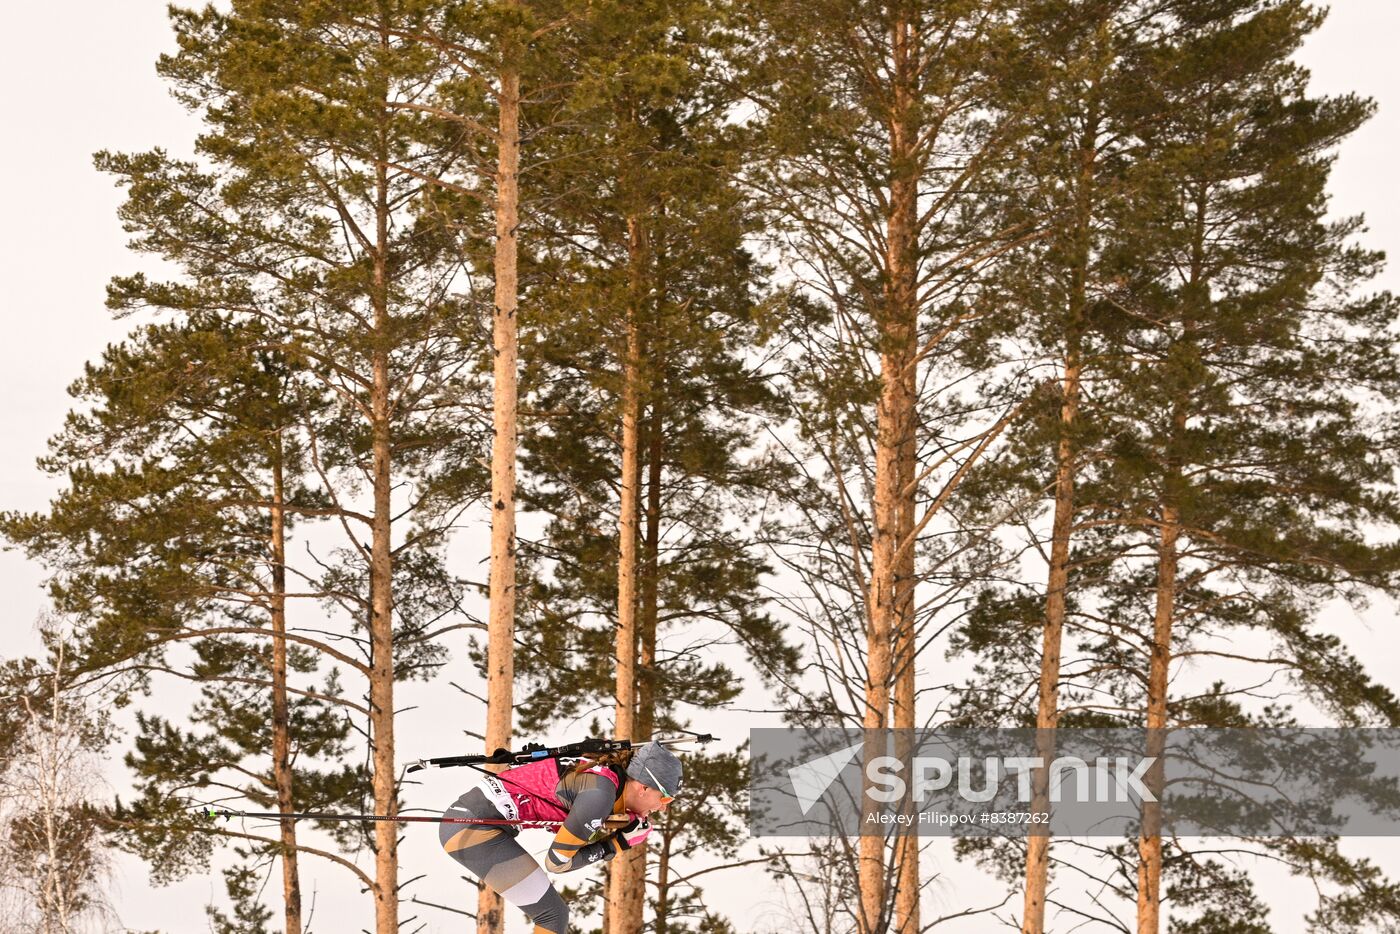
(381, 578)
(889, 632)
(648, 609)
(500, 650)
(906, 891)
(881, 628)
(281, 719)
(1149, 889)
(627, 872)
(647, 615)
(883, 623)
(1047, 715)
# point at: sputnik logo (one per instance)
(1107, 780)
(810, 780)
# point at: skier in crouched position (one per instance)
(602, 803)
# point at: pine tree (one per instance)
(312, 222)
(474, 43)
(880, 128)
(304, 111)
(184, 472)
(500, 661)
(1256, 456)
(249, 917)
(641, 405)
(1088, 106)
(1243, 432)
(1231, 72)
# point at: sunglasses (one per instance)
(665, 798)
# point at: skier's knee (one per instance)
(550, 913)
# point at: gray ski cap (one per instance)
(656, 767)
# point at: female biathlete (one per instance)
(581, 794)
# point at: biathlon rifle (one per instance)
(531, 752)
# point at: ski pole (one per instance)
(229, 814)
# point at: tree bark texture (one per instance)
(281, 719)
(381, 562)
(500, 650)
(1149, 889)
(890, 636)
(627, 872)
(1047, 714)
(648, 610)
(906, 903)
(381, 582)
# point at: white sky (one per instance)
(79, 77)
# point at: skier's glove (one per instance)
(634, 833)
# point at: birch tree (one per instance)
(51, 733)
